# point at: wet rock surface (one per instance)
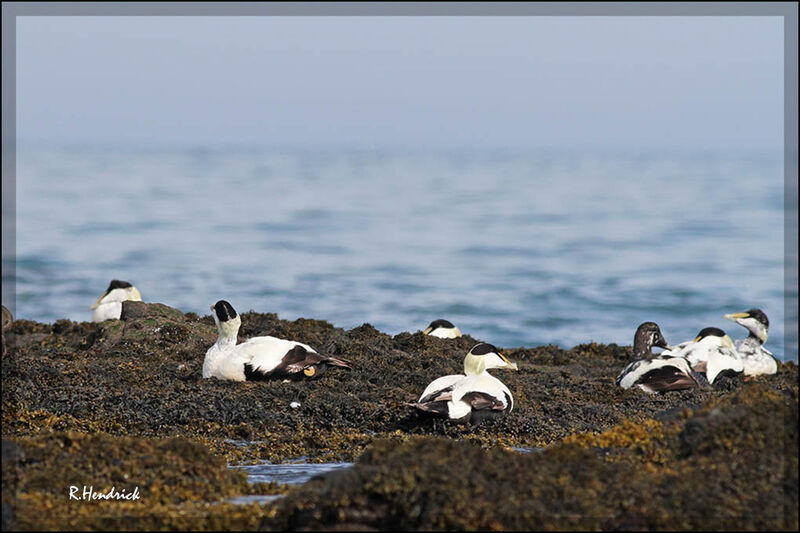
(139, 378)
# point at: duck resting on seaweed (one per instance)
(474, 395)
(711, 354)
(444, 329)
(260, 358)
(757, 359)
(660, 373)
(109, 305)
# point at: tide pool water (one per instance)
(282, 473)
(288, 473)
(514, 248)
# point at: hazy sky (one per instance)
(696, 82)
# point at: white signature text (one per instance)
(89, 494)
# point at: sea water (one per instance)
(288, 473)
(282, 473)
(515, 248)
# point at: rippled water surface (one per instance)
(514, 248)
(283, 473)
(288, 473)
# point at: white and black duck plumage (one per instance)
(656, 373)
(474, 395)
(444, 329)
(711, 354)
(757, 359)
(260, 358)
(109, 305)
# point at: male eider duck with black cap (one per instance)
(474, 395)
(656, 373)
(711, 354)
(757, 359)
(444, 329)
(260, 358)
(109, 305)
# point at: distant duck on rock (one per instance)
(756, 359)
(444, 329)
(109, 305)
(660, 373)
(711, 354)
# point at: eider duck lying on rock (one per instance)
(474, 395)
(656, 373)
(109, 305)
(444, 329)
(260, 358)
(757, 359)
(711, 354)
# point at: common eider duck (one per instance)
(757, 359)
(109, 305)
(260, 358)
(711, 354)
(474, 395)
(444, 329)
(656, 373)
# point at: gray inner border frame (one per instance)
(787, 10)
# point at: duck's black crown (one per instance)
(118, 284)
(759, 315)
(224, 311)
(710, 331)
(483, 348)
(441, 323)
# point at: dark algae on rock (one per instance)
(724, 466)
(174, 483)
(129, 395)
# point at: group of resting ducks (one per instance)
(469, 397)
(709, 358)
(476, 395)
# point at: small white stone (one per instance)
(294, 405)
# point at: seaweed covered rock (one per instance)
(436, 483)
(44, 479)
(738, 472)
(142, 376)
(133, 309)
(615, 459)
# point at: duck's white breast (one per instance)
(445, 333)
(107, 311)
(224, 363)
(759, 363)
